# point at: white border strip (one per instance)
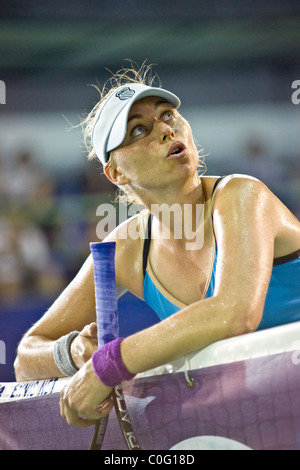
(263, 343)
(254, 345)
(13, 391)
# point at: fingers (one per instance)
(90, 331)
(72, 417)
(85, 399)
(84, 345)
(93, 330)
(84, 418)
(106, 406)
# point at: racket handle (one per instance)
(103, 255)
(108, 330)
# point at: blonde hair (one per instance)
(132, 74)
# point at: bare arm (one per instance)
(245, 227)
(245, 231)
(73, 309)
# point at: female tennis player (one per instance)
(243, 275)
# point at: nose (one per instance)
(163, 129)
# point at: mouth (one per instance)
(176, 150)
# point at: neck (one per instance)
(188, 192)
(178, 211)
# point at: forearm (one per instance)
(191, 329)
(35, 359)
(72, 310)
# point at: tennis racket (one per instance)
(103, 255)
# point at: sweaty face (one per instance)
(158, 145)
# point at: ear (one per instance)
(114, 175)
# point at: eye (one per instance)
(167, 116)
(137, 130)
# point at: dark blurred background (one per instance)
(233, 65)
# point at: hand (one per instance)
(85, 399)
(84, 345)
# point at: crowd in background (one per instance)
(47, 220)
(46, 223)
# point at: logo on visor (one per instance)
(125, 94)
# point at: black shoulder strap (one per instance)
(216, 184)
(147, 242)
(212, 215)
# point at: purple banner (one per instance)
(247, 404)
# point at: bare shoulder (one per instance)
(249, 204)
(236, 184)
(242, 193)
(233, 183)
(241, 189)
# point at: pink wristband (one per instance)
(108, 364)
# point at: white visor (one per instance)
(111, 123)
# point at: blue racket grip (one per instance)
(103, 255)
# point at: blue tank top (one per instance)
(282, 304)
